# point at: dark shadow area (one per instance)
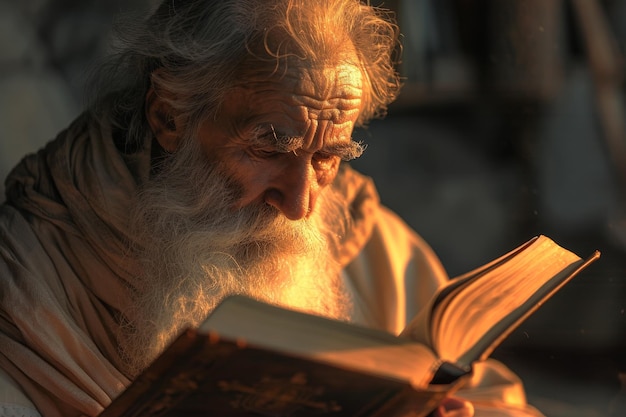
(511, 125)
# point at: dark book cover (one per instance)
(204, 375)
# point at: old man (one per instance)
(212, 161)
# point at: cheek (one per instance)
(251, 177)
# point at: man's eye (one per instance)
(263, 152)
(323, 156)
(324, 160)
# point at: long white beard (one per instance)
(195, 250)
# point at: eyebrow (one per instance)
(347, 151)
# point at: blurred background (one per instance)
(510, 124)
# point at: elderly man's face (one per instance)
(202, 223)
(282, 140)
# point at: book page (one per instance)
(324, 340)
(471, 319)
(424, 326)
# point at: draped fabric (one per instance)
(65, 274)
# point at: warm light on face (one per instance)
(282, 138)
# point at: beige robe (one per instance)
(64, 277)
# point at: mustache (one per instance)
(195, 247)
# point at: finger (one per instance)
(455, 407)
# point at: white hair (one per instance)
(201, 47)
(195, 250)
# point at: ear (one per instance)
(162, 120)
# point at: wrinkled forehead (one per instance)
(304, 91)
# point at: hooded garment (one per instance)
(65, 276)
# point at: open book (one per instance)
(249, 358)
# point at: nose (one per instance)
(294, 190)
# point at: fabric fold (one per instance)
(65, 251)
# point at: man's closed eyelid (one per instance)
(325, 155)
